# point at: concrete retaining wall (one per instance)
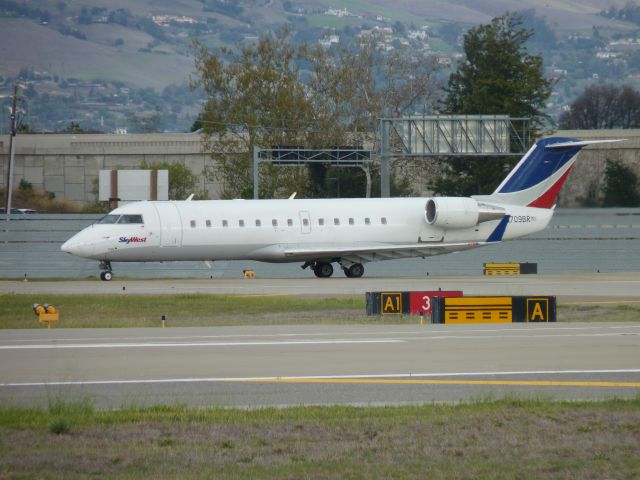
(68, 165)
(587, 176)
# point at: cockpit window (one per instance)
(109, 219)
(120, 219)
(130, 219)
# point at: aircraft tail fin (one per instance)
(537, 179)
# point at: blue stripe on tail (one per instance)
(498, 232)
(541, 163)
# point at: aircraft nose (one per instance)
(76, 246)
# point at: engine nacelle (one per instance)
(459, 212)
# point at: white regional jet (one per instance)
(318, 233)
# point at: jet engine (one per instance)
(459, 212)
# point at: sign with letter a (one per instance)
(537, 310)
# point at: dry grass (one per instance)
(91, 311)
(598, 313)
(42, 201)
(502, 439)
(111, 311)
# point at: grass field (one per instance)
(109, 311)
(99, 311)
(485, 439)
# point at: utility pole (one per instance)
(8, 190)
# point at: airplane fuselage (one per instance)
(280, 230)
(350, 231)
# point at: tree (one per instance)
(355, 87)
(621, 187)
(73, 127)
(256, 97)
(147, 122)
(499, 77)
(603, 106)
(182, 181)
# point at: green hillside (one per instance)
(129, 61)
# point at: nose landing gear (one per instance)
(107, 274)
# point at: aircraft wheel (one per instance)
(323, 270)
(354, 271)
(106, 276)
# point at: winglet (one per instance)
(498, 232)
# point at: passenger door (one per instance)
(305, 222)
(170, 224)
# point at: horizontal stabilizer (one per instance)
(582, 143)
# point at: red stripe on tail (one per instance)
(548, 198)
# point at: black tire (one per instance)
(107, 276)
(323, 270)
(355, 271)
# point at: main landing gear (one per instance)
(107, 273)
(325, 269)
(356, 270)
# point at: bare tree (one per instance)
(256, 97)
(603, 106)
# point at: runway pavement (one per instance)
(588, 287)
(320, 365)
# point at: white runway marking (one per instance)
(190, 344)
(420, 330)
(320, 377)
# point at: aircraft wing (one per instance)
(361, 253)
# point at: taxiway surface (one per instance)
(594, 286)
(319, 365)
(293, 365)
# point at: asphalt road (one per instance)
(319, 365)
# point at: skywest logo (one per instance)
(129, 240)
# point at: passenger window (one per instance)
(336, 221)
(383, 220)
(321, 221)
(208, 223)
(351, 221)
(367, 221)
(274, 222)
(225, 223)
(193, 224)
(289, 222)
(258, 223)
(241, 223)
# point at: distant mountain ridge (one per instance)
(104, 48)
(35, 44)
(562, 14)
